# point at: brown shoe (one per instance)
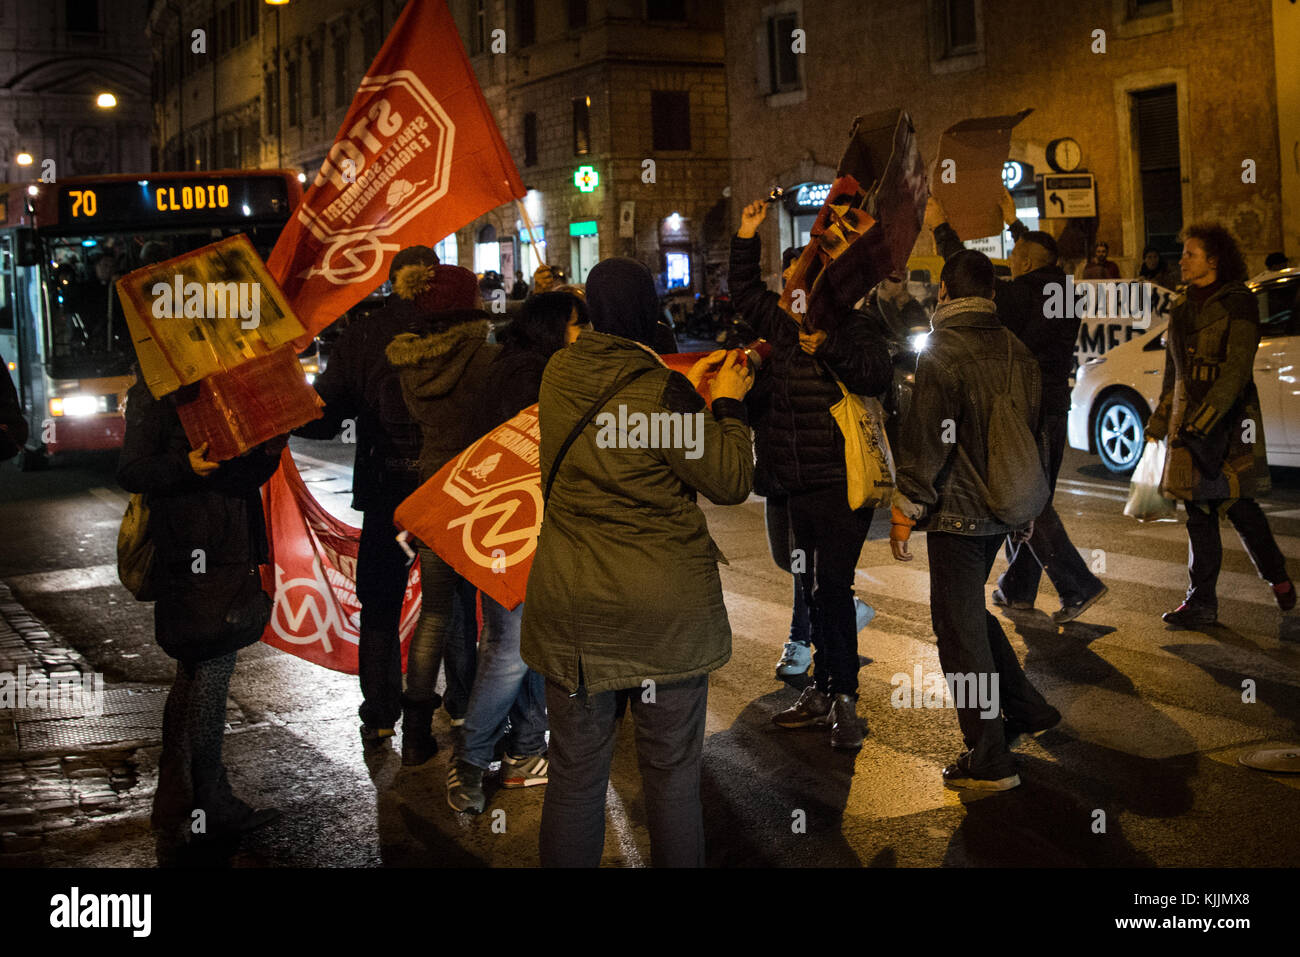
(812, 709)
(847, 729)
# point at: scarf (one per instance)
(955, 307)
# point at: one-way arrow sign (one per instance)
(1069, 196)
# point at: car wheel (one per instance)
(1117, 432)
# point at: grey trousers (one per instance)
(669, 745)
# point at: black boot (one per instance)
(418, 743)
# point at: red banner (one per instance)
(418, 156)
(314, 574)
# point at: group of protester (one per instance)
(624, 605)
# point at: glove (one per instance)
(900, 531)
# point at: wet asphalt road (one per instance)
(1154, 718)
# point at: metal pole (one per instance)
(279, 119)
(532, 233)
(212, 58)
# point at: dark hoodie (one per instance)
(622, 301)
(444, 377)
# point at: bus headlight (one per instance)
(75, 406)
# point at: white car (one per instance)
(1115, 393)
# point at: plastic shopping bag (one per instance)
(1145, 503)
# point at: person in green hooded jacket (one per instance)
(624, 603)
(1209, 411)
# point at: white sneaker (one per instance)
(796, 659)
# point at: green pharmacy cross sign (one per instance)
(586, 179)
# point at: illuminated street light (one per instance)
(106, 101)
(23, 159)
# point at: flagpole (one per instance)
(532, 232)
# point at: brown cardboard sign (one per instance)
(967, 178)
(203, 312)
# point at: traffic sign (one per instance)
(1068, 196)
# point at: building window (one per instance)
(956, 31)
(478, 27)
(960, 33)
(447, 252)
(1155, 127)
(665, 9)
(530, 139)
(370, 41)
(82, 16)
(252, 17)
(1149, 8)
(577, 14)
(272, 99)
(295, 93)
(315, 81)
(487, 251)
(525, 23)
(581, 125)
(342, 88)
(670, 115)
(782, 61)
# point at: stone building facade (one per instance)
(55, 61)
(602, 84)
(1173, 103)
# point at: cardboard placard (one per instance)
(970, 189)
(188, 315)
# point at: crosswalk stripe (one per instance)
(66, 579)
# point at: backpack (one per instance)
(1016, 489)
(135, 550)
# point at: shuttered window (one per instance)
(1156, 126)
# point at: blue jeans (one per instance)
(445, 635)
(504, 688)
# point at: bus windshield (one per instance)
(86, 327)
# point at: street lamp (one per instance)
(106, 101)
(23, 159)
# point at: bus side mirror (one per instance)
(25, 249)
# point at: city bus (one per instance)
(63, 333)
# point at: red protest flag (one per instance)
(418, 156)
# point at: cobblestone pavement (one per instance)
(69, 776)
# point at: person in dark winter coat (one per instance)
(1021, 308)
(624, 603)
(363, 399)
(209, 537)
(942, 487)
(506, 690)
(800, 469)
(443, 371)
(1209, 411)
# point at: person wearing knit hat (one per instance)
(363, 401)
(442, 367)
(412, 256)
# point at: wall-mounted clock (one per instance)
(1064, 154)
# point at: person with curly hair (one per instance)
(1209, 411)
